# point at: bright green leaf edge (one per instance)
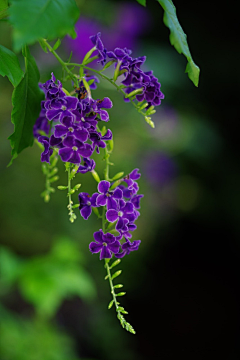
(26, 101)
(142, 2)
(41, 19)
(9, 66)
(179, 39)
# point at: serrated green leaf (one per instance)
(142, 2)
(41, 19)
(178, 38)
(26, 100)
(9, 66)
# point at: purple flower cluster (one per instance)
(70, 125)
(122, 204)
(134, 77)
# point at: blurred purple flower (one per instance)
(160, 168)
(121, 33)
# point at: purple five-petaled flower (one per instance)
(73, 148)
(106, 244)
(107, 196)
(86, 203)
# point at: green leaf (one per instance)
(46, 280)
(26, 100)
(179, 39)
(9, 66)
(41, 19)
(3, 4)
(142, 2)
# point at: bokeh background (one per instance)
(183, 284)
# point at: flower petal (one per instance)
(104, 115)
(65, 153)
(86, 212)
(108, 238)
(101, 200)
(98, 236)
(75, 158)
(60, 130)
(103, 186)
(95, 248)
(111, 215)
(114, 247)
(118, 194)
(69, 141)
(105, 253)
(111, 203)
(86, 151)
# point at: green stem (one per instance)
(70, 202)
(63, 63)
(111, 286)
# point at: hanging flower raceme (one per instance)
(71, 127)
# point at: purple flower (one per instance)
(98, 105)
(86, 204)
(86, 165)
(127, 247)
(106, 244)
(120, 55)
(48, 143)
(160, 169)
(108, 197)
(135, 200)
(98, 140)
(59, 108)
(45, 156)
(88, 78)
(51, 89)
(99, 47)
(68, 128)
(123, 214)
(73, 148)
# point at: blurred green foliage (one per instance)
(24, 339)
(45, 281)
